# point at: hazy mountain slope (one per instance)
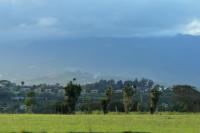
(169, 60)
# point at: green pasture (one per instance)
(112, 123)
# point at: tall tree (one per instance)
(72, 93)
(29, 101)
(109, 93)
(128, 92)
(22, 83)
(154, 98)
(186, 98)
(105, 102)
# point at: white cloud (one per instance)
(44, 22)
(33, 67)
(192, 28)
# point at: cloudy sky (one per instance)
(21, 19)
(37, 37)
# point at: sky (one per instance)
(38, 37)
(25, 19)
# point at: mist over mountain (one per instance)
(168, 60)
(82, 78)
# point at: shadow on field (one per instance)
(111, 132)
(88, 132)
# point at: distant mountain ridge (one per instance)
(169, 60)
(65, 77)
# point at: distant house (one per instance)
(83, 91)
(38, 90)
(165, 105)
(94, 91)
(25, 88)
(61, 91)
(22, 107)
(48, 90)
(18, 98)
(118, 91)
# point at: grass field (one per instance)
(137, 123)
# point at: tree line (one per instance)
(112, 96)
(181, 98)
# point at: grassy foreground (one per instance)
(137, 123)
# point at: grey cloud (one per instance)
(102, 18)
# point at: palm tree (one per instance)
(154, 98)
(109, 93)
(29, 101)
(72, 93)
(105, 102)
(128, 93)
(22, 83)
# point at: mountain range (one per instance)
(168, 60)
